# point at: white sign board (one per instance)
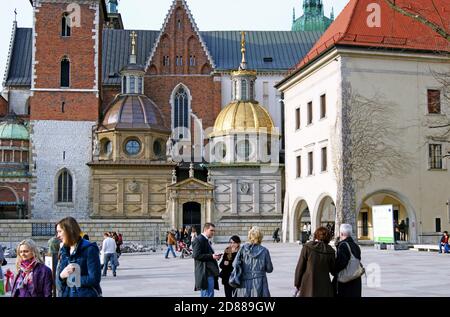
(48, 262)
(383, 223)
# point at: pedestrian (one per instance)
(2, 259)
(276, 236)
(443, 243)
(401, 228)
(193, 234)
(171, 241)
(118, 241)
(251, 266)
(315, 264)
(33, 278)
(109, 254)
(205, 262)
(226, 265)
(346, 246)
(78, 258)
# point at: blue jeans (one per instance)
(170, 248)
(446, 248)
(109, 257)
(210, 291)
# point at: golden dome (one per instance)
(243, 117)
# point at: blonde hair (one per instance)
(255, 235)
(33, 248)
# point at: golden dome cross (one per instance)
(133, 36)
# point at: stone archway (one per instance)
(403, 210)
(9, 204)
(326, 213)
(302, 217)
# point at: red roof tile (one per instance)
(396, 30)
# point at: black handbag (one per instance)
(4, 262)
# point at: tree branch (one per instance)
(436, 28)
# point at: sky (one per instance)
(209, 15)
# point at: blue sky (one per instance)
(208, 14)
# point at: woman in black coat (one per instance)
(226, 265)
(352, 288)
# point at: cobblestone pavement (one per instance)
(390, 274)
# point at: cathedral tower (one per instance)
(65, 103)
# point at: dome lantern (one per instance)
(133, 74)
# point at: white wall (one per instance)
(17, 100)
(314, 188)
(49, 140)
(404, 82)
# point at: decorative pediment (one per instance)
(191, 184)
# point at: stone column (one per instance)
(256, 196)
(120, 197)
(96, 200)
(145, 198)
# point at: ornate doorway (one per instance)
(192, 216)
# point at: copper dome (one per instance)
(134, 112)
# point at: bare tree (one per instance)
(418, 13)
(368, 146)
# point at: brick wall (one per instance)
(3, 107)
(80, 48)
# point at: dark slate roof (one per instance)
(285, 48)
(117, 49)
(19, 73)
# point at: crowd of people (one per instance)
(181, 240)
(243, 268)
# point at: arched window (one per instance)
(65, 72)
(65, 25)
(181, 109)
(65, 187)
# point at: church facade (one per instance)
(143, 131)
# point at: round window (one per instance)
(220, 151)
(133, 147)
(107, 147)
(157, 148)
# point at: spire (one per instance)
(133, 36)
(293, 15)
(243, 65)
(332, 13)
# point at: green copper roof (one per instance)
(13, 131)
(313, 18)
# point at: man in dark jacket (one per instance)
(352, 288)
(206, 268)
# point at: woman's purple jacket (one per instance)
(42, 282)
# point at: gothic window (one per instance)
(166, 61)
(181, 109)
(179, 61)
(192, 60)
(65, 72)
(65, 187)
(65, 25)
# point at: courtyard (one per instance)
(389, 274)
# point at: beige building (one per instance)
(364, 103)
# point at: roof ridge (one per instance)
(8, 60)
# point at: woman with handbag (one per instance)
(346, 249)
(316, 262)
(251, 266)
(226, 265)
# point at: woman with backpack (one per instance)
(346, 245)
